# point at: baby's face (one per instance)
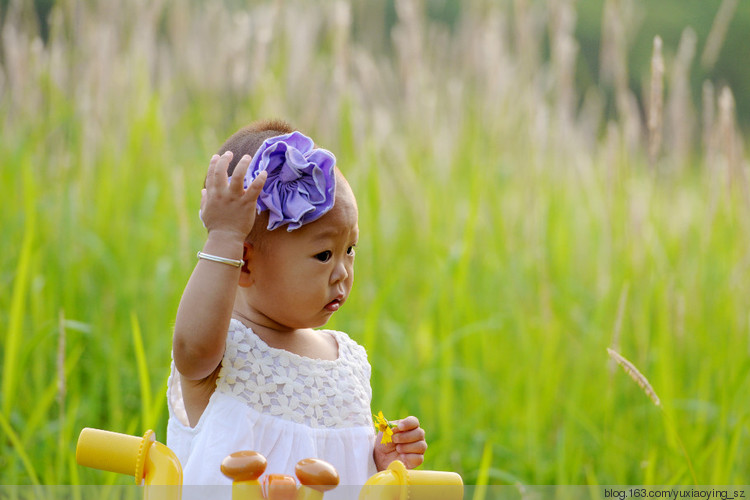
(300, 278)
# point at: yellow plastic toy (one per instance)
(153, 464)
(145, 459)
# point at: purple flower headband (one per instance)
(301, 185)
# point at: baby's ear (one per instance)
(246, 278)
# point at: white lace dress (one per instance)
(282, 405)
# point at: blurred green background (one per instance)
(533, 190)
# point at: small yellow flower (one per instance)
(384, 426)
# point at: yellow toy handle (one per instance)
(110, 451)
(143, 458)
(397, 482)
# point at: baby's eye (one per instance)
(324, 256)
(350, 250)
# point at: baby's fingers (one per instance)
(217, 170)
(220, 175)
(237, 183)
(407, 424)
(211, 170)
(411, 460)
(257, 186)
(419, 447)
(411, 436)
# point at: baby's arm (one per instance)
(228, 211)
(408, 445)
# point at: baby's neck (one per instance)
(262, 325)
(305, 342)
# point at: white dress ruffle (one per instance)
(285, 406)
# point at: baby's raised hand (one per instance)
(226, 206)
(408, 445)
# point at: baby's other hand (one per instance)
(408, 445)
(226, 206)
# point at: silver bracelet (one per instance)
(221, 260)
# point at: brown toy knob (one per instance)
(281, 487)
(317, 474)
(243, 466)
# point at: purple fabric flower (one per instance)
(301, 184)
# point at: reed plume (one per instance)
(644, 384)
(708, 101)
(636, 375)
(656, 102)
(717, 34)
(727, 134)
(680, 128)
(622, 302)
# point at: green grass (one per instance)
(492, 262)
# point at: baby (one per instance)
(250, 372)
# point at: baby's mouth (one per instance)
(335, 304)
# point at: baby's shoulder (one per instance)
(344, 340)
(347, 345)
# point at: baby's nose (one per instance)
(340, 273)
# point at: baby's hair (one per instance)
(247, 140)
